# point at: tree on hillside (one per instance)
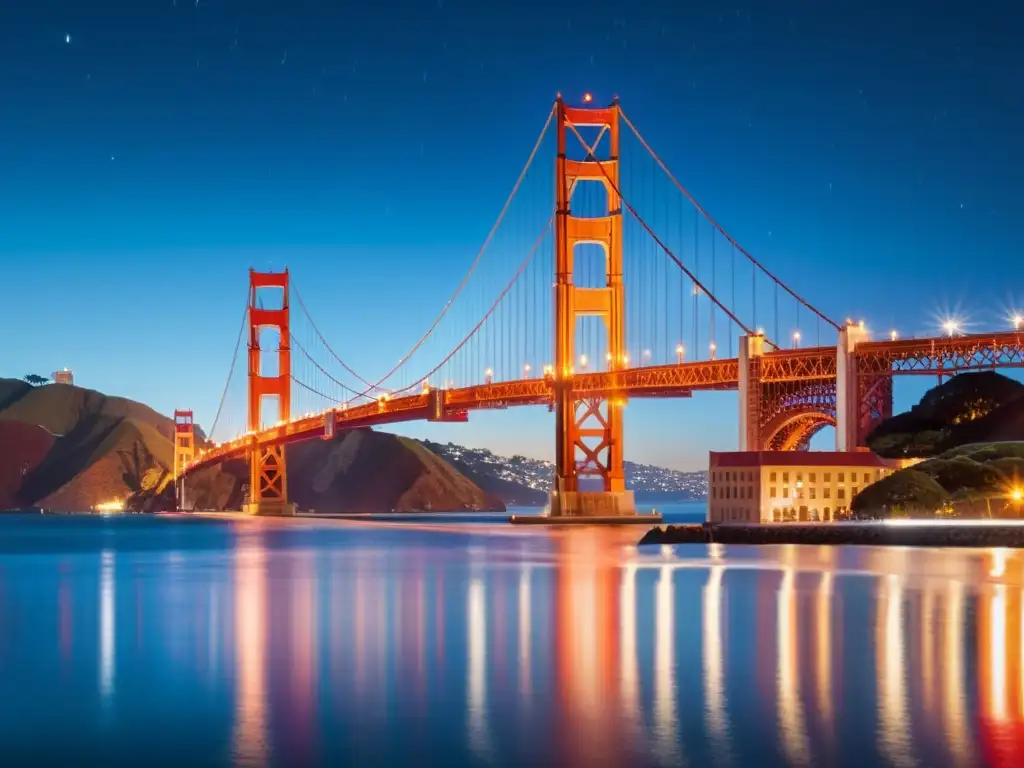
(35, 380)
(910, 434)
(963, 475)
(905, 492)
(969, 396)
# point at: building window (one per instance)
(853, 493)
(827, 493)
(867, 478)
(812, 492)
(771, 492)
(785, 491)
(813, 477)
(842, 477)
(828, 477)
(772, 477)
(841, 494)
(785, 477)
(799, 477)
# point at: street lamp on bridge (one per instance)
(796, 339)
(488, 376)
(1018, 320)
(680, 352)
(951, 327)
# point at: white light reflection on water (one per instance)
(716, 706)
(107, 629)
(251, 602)
(666, 716)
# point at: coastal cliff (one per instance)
(68, 448)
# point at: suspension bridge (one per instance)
(647, 296)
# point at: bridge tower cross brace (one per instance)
(268, 478)
(588, 429)
(184, 453)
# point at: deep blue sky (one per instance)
(870, 153)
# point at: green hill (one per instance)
(970, 431)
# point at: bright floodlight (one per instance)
(951, 327)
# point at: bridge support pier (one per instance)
(847, 387)
(751, 347)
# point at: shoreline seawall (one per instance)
(966, 534)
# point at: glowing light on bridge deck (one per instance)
(1018, 320)
(526, 369)
(951, 327)
(110, 506)
(680, 352)
(548, 370)
(583, 361)
(893, 335)
(647, 354)
(796, 339)
(488, 376)
(625, 359)
(587, 98)
(712, 348)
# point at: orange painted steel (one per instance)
(977, 351)
(268, 481)
(797, 393)
(588, 426)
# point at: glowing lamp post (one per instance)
(583, 362)
(796, 339)
(680, 353)
(951, 327)
(712, 349)
(893, 335)
(488, 376)
(1018, 321)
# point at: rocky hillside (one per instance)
(64, 447)
(359, 471)
(69, 448)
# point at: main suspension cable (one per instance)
(615, 188)
(716, 225)
(231, 371)
(476, 261)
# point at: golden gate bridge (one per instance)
(618, 285)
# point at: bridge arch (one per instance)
(793, 430)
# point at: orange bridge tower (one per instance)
(268, 480)
(588, 429)
(184, 453)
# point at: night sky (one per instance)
(151, 151)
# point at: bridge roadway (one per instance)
(929, 356)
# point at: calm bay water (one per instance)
(185, 641)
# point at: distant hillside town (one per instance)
(503, 475)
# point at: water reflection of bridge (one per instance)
(654, 660)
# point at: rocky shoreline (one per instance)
(963, 534)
